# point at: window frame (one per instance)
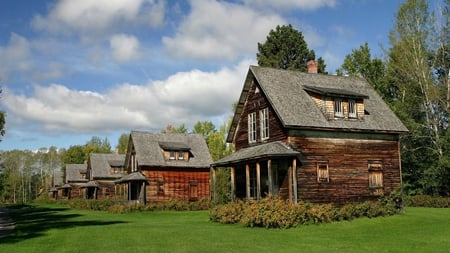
(338, 108)
(352, 113)
(323, 172)
(264, 123)
(251, 127)
(180, 155)
(172, 155)
(375, 178)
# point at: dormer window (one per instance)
(338, 103)
(351, 108)
(338, 108)
(175, 151)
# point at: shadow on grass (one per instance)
(33, 221)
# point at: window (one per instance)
(338, 108)
(172, 155)
(322, 172)
(160, 186)
(264, 117)
(251, 127)
(351, 108)
(193, 190)
(180, 155)
(376, 177)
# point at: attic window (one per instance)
(338, 108)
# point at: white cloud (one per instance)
(87, 16)
(292, 4)
(220, 30)
(183, 98)
(16, 56)
(124, 47)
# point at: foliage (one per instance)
(276, 213)
(427, 201)
(24, 174)
(285, 48)
(122, 143)
(2, 121)
(417, 64)
(119, 206)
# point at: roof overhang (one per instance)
(264, 151)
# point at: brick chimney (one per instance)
(312, 66)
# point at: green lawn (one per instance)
(58, 229)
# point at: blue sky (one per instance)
(71, 70)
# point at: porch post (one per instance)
(258, 181)
(269, 172)
(214, 189)
(233, 184)
(247, 181)
(290, 182)
(294, 178)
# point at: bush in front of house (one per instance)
(277, 213)
(427, 201)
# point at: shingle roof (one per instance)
(285, 91)
(134, 176)
(149, 147)
(100, 164)
(271, 149)
(73, 172)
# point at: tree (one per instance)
(205, 128)
(285, 48)
(2, 121)
(122, 144)
(421, 97)
(360, 63)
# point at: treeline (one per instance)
(414, 80)
(26, 174)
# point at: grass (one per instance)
(52, 228)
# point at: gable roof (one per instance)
(100, 164)
(149, 146)
(286, 91)
(73, 172)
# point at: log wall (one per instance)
(257, 101)
(175, 184)
(348, 161)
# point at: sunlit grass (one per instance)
(59, 229)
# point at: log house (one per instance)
(312, 137)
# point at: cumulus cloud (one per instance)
(124, 47)
(220, 30)
(87, 16)
(15, 56)
(292, 4)
(183, 98)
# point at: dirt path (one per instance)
(6, 224)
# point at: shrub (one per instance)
(427, 201)
(277, 213)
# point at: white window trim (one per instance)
(251, 127)
(352, 107)
(264, 123)
(338, 108)
(180, 155)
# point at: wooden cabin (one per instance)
(102, 172)
(74, 181)
(312, 137)
(166, 166)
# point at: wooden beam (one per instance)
(258, 181)
(233, 183)
(247, 180)
(294, 178)
(269, 173)
(290, 182)
(214, 189)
